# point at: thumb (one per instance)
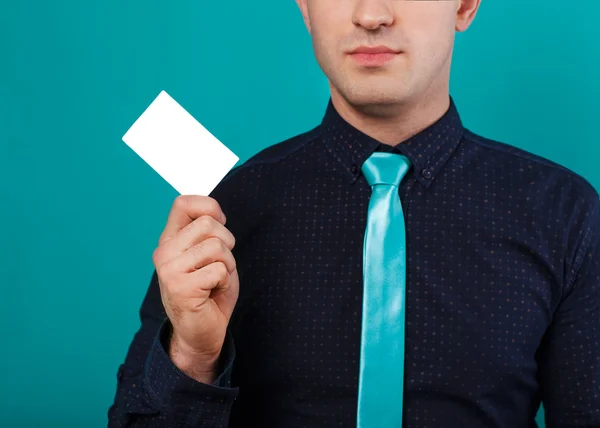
(226, 297)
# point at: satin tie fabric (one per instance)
(381, 375)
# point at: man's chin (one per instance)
(366, 96)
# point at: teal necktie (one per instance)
(381, 375)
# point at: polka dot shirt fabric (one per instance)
(502, 304)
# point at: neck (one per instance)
(392, 124)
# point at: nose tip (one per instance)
(371, 14)
(371, 22)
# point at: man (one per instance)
(259, 318)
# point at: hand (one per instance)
(198, 281)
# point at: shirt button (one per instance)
(426, 173)
(354, 168)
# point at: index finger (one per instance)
(187, 208)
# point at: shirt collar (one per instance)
(427, 150)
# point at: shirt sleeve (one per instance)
(570, 351)
(153, 392)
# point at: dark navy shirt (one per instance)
(502, 305)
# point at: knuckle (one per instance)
(223, 248)
(160, 256)
(220, 270)
(180, 203)
(222, 256)
(214, 207)
(218, 249)
(214, 274)
(229, 241)
(215, 245)
(157, 256)
(205, 223)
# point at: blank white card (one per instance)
(179, 148)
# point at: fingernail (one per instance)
(223, 217)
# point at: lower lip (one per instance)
(373, 59)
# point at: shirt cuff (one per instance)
(173, 389)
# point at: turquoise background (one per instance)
(81, 213)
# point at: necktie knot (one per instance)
(385, 168)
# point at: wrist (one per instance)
(199, 366)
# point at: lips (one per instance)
(373, 56)
(373, 50)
